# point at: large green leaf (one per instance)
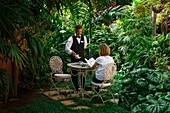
(167, 97)
(159, 107)
(141, 98)
(154, 77)
(152, 87)
(142, 82)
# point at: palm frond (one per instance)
(4, 48)
(17, 56)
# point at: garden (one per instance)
(137, 31)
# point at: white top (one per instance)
(70, 42)
(102, 61)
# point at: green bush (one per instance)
(5, 85)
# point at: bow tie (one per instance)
(78, 36)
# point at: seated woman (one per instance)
(101, 62)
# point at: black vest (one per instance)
(78, 48)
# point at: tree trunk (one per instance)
(153, 23)
(15, 70)
(166, 24)
(90, 27)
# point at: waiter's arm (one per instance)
(68, 47)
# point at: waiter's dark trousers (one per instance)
(74, 78)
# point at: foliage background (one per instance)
(33, 31)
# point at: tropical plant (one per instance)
(17, 27)
(132, 24)
(143, 89)
(143, 61)
(151, 51)
(5, 85)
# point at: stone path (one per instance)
(54, 95)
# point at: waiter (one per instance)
(75, 48)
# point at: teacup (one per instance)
(81, 63)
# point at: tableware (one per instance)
(77, 56)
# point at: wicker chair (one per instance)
(104, 87)
(57, 76)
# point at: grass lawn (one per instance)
(45, 105)
(38, 103)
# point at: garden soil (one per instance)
(27, 97)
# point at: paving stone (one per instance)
(58, 97)
(50, 93)
(115, 101)
(68, 102)
(75, 95)
(81, 107)
(97, 104)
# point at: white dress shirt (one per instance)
(70, 42)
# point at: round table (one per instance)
(78, 67)
(81, 68)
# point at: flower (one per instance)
(62, 31)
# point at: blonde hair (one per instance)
(104, 50)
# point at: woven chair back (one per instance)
(109, 72)
(56, 64)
